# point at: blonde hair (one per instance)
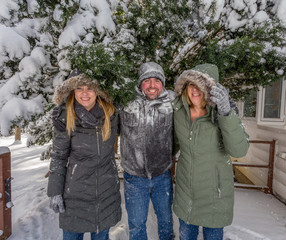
(186, 94)
(108, 110)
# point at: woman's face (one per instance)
(85, 96)
(195, 94)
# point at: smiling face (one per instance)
(152, 87)
(85, 96)
(195, 95)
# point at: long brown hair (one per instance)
(108, 110)
(186, 94)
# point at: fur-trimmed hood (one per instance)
(62, 91)
(204, 76)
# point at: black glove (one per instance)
(57, 204)
(219, 95)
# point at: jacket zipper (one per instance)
(97, 138)
(96, 188)
(191, 140)
(146, 112)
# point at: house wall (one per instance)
(259, 153)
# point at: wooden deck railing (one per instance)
(270, 166)
(5, 193)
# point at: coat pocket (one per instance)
(165, 117)
(130, 119)
(72, 178)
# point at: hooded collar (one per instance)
(204, 76)
(63, 90)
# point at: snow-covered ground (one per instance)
(257, 216)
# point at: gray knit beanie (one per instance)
(151, 70)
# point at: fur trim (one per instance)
(202, 80)
(62, 91)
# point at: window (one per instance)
(271, 103)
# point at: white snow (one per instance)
(257, 216)
(17, 107)
(2, 151)
(238, 5)
(33, 6)
(234, 21)
(25, 108)
(12, 44)
(73, 30)
(7, 7)
(57, 15)
(83, 21)
(280, 9)
(9, 88)
(260, 17)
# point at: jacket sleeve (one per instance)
(235, 139)
(58, 165)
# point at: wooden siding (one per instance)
(259, 153)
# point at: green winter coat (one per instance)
(204, 192)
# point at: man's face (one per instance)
(152, 87)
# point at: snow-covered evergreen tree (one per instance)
(42, 41)
(35, 36)
(246, 39)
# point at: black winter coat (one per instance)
(83, 170)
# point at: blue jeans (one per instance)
(191, 232)
(103, 235)
(138, 191)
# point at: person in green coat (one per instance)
(208, 132)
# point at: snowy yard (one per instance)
(257, 216)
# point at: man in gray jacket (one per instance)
(146, 141)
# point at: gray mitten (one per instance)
(219, 95)
(57, 204)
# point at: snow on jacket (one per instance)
(204, 192)
(146, 135)
(83, 170)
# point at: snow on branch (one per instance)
(18, 109)
(12, 45)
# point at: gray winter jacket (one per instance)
(146, 135)
(83, 170)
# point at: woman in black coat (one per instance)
(83, 182)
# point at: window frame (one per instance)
(260, 108)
